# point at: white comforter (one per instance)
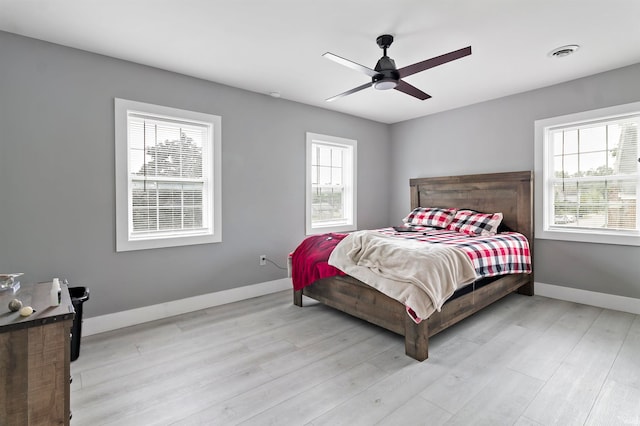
(420, 275)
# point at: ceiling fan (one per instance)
(386, 76)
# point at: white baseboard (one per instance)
(103, 323)
(108, 322)
(601, 300)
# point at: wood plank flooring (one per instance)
(522, 361)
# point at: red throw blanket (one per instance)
(309, 260)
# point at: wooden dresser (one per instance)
(35, 358)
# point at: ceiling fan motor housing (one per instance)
(388, 76)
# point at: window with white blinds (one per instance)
(590, 176)
(331, 184)
(168, 168)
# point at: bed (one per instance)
(510, 193)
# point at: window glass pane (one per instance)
(136, 135)
(336, 157)
(556, 137)
(192, 217)
(557, 167)
(167, 197)
(594, 163)
(593, 139)
(591, 216)
(622, 205)
(161, 206)
(192, 197)
(613, 135)
(566, 166)
(325, 176)
(336, 176)
(565, 203)
(592, 192)
(625, 152)
(324, 156)
(169, 219)
(327, 204)
(314, 175)
(571, 141)
(144, 219)
(191, 154)
(150, 133)
(197, 217)
(136, 161)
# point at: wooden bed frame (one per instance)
(510, 193)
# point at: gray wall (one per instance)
(57, 174)
(57, 190)
(498, 136)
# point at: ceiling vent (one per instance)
(563, 51)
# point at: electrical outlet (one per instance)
(263, 259)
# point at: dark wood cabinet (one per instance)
(35, 358)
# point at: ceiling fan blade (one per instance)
(434, 62)
(348, 92)
(405, 87)
(350, 64)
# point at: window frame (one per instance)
(349, 184)
(545, 228)
(212, 229)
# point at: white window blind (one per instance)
(168, 166)
(592, 179)
(167, 183)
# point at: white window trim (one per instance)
(123, 240)
(544, 229)
(350, 198)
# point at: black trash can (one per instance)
(79, 295)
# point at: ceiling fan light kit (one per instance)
(385, 84)
(386, 76)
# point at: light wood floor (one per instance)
(523, 361)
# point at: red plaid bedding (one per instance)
(500, 254)
(309, 262)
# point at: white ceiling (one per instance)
(276, 45)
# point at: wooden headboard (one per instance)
(510, 193)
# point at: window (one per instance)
(168, 188)
(588, 180)
(331, 184)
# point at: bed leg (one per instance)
(297, 297)
(416, 339)
(527, 289)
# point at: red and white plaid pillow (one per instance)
(430, 216)
(474, 223)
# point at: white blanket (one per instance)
(420, 275)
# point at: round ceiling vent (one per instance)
(561, 52)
